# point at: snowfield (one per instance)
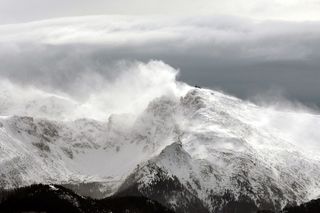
(219, 148)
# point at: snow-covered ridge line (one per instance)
(219, 151)
(210, 144)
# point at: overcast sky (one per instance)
(13, 11)
(246, 48)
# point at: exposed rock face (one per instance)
(204, 151)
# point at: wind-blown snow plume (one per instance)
(72, 110)
(216, 52)
(135, 85)
(72, 68)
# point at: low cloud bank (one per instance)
(241, 56)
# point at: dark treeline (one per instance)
(55, 198)
(312, 206)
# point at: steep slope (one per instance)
(153, 181)
(224, 160)
(203, 150)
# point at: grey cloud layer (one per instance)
(13, 11)
(240, 56)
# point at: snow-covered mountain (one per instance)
(200, 150)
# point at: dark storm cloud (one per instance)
(239, 56)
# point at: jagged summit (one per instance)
(203, 149)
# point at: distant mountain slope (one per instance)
(55, 198)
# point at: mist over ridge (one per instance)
(222, 52)
(160, 106)
(92, 67)
(95, 97)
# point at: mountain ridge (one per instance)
(205, 144)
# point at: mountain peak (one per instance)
(207, 144)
